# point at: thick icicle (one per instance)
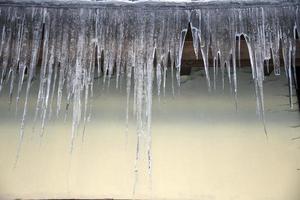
(37, 19)
(205, 39)
(17, 51)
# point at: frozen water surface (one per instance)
(71, 47)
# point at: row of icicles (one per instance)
(66, 49)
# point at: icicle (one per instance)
(97, 35)
(88, 72)
(170, 54)
(204, 37)
(287, 57)
(129, 66)
(23, 62)
(172, 75)
(255, 42)
(58, 54)
(164, 79)
(163, 46)
(64, 61)
(234, 74)
(294, 63)
(288, 44)
(77, 82)
(239, 51)
(179, 42)
(139, 90)
(149, 84)
(195, 20)
(158, 79)
(6, 46)
(5, 17)
(119, 40)
(36, 32)
(50, 66)
(215, 57)
(43, 74)
(17, 51)
(215, 72)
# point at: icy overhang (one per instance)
(184, 4)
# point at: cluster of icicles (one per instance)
(65, 49)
